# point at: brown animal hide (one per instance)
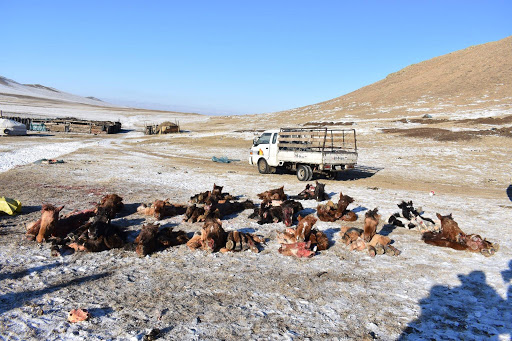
(382, 244)
(33, 229)
(391, 250)
(344, 229)
(48, 225)
(316, 192)
(350, 235)
(51, 226)
(307, 193)
(217, 190)
(145, 210)
(167, 237)
(299, 249)
(96, 235)
(164, 209)
(359, 244)
(195, 242)
(452, 236)
(449, 228)
(212, 236)
(216, 194)
(221, 210)
(71, 222)
(151, 238)
(240, 241)
(302, 238)
(194, 213)
(276, 210)
(349, 216)
(161, 209)
(273, 194)
(380, 239)
(112, 204)
(287, 237)
(327, 212)
(343, 203)
(371, 221)
(289, 209)
(436, 240)
(303, 230)
(200, 198)
(147, 241)
(319, 239)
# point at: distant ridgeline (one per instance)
(66, 125)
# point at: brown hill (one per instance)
(478, 77)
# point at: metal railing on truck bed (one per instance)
(318, 139)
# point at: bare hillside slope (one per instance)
(477, 77)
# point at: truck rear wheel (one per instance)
(304, 173)
(263, 166)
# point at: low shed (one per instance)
(163, 128)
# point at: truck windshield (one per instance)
(264, 139)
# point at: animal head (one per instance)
(287, 215)
(210, 203)
(445, 219)
(373, 214)
(158, 206)
(49, 218)
(217, 189)
(319, 186)
(50, 215)
(346, 200)
(278, 194)
(212, 234)
(111, 199)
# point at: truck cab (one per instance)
(264, 151)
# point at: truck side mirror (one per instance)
(254, 141)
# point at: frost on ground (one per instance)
(425, 293)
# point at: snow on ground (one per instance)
(425, 293)
(14, 155)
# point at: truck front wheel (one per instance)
(304, 173)
(263, 167)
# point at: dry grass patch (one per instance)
(439, 134)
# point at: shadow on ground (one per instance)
(14, 300)
(471, 311)
(359, 172)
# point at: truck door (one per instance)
(261, 147)
(272, 154)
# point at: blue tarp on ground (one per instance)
(223, 159)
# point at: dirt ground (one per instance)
(426, 292)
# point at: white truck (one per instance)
(305, 150)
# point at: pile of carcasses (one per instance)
(92, 230)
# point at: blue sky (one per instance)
(232, 56)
